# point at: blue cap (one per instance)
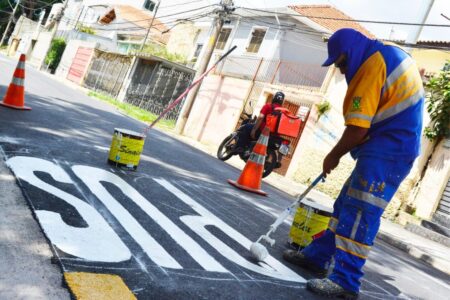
(336, 45)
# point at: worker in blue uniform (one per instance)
(383, 110)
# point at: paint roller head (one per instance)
(268, 239)
(258, 251)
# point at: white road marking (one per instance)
(97, 242)
(198, 224)
(93, 178)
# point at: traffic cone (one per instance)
(251, 176)
(15, 95)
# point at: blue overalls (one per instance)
(385, 95)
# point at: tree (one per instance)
(30, 8)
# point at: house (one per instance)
(431, 60)
(280, 49)
(283, 50)
(125, 23)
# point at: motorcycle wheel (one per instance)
(223, 153)
(270, 163)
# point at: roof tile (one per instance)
(328, 11)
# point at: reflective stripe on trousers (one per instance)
(356, 219)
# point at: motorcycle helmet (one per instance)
(278, 98)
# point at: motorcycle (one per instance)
(276, 148)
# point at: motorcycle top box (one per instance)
(283, 122)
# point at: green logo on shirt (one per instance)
(356, 104)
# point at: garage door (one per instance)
(444, 205)
(80, 64)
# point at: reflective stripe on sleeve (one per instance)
(358, 116)
(397, 73)
(399, 107)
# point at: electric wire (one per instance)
(345, 20)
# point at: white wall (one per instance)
(303, 47)
(278, 44)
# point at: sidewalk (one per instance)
(25, 268)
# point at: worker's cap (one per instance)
(337, 44)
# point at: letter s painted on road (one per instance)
(97, 242)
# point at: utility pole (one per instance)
(414, 34)
(55, 29)
(150, 26)
(226, 9)
(11, 17)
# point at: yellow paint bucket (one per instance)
(126, 148)
(310, 222)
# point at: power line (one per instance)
(286, 25)
(40, 7)
(70, 21)
(345, 20)
(184, 3)
(312, 43)
(161, 17)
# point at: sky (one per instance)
(409, 11)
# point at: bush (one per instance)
(85, 29)
(159, 51)
(55, 53)
(439, 105)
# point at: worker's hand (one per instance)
(253, 134)
(330, 162)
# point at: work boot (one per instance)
(297, 258)
(326, 287)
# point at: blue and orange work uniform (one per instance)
(386, 96)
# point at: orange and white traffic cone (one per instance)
(15, 95)
(251, 176)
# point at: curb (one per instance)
(439, 264)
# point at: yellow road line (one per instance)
(87, 286)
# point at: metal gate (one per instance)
(155, 85)
(444, 204)
(107, 72)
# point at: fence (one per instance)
(107, 72)
(156, 84)
(273, 71)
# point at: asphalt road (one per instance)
(174, 229)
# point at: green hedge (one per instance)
(55, 53)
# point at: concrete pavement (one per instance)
(25, 268)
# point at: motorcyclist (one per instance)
(252, 131)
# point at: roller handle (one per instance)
(292, 207)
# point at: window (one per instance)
(223, 38)
(256, 39)
(198, 49)
(149, 5)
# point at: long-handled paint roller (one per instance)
(258, 251)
